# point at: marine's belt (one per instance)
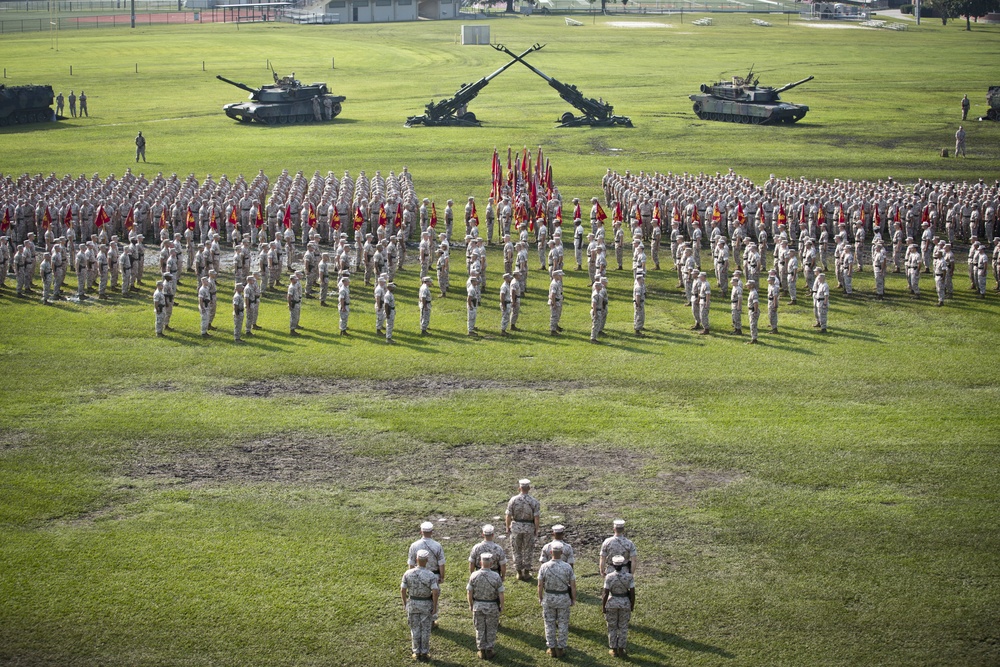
(475, 599)
(619, 595)
(565, 592)
(414, 597)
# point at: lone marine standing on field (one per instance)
(140, 147)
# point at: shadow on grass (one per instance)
(673, 640)
(505, 654)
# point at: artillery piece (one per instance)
(286, 101)
(455, 109)
(596, 113)
(993, 100)
(743, 101)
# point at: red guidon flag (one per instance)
(335, 219)
(434, 215)
(234, 218)
(741, 216)
(616, 215)
(130, 219)
(638, 215)
(286, 220)
(782, 217)
(213, 222)
(359, 218)
(577, 211)
(716, 213)
(559, 214)
(802, 214)
(189, 219)
(601, 215)
(676, 215)
(68, 219)
(102, 217)
(656, 214)
(397, 220)
(876, 217)
(383, 219)
(258, 221)
(163, 218)
(5, 220)
(841, 218)
(47, 219)
(925, 214)
(895, 216)
(761, 215)
(311, 219)
(474, 216)
(820, 217)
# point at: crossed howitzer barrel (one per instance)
(454, 110)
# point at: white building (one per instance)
(384, 11)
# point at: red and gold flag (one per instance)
(383, 218)
(676, 215)
(761, 215)
(925, 214)
(397, 220)
(782, 217)
(841, 218)
(434, 215)
(47, 219)
(695, 218)
(359, 218)
(577, 211)
(876, 217)
(616, 215)
(189, 218)
(474, 216)
(213, 223)
(601, 215)
(311, 219)
(335, 220)
(286, 220)
(820, 217)
(130, 219)
(234, 218)
(102, 217)
(5, 220)
(68, 219)
(656, 214)
(163, 218)
(741, 216)
(259, 218)
(716, 213)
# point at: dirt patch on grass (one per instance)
(420, 387)
(11, 440)
(688, 481)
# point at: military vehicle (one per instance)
(743, 101)
(284, 102)
(455, 110)
(993, 99)
(20, 105)
(596, 113)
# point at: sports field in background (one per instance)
(814, 500)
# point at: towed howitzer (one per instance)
(993, 100)
(595, 112)
(454, 110)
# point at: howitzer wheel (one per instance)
(469, 117)
(567, 118)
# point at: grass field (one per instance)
(816, 500)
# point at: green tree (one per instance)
(950, 9)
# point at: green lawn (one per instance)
(814, 500)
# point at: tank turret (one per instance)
(286, 101)
(743, 100)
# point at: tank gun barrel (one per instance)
(245, 87)
(788, 86)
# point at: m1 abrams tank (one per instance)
(20, 105)
(284, 102)
(743, 101)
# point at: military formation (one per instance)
(556, 585)
(327, 235)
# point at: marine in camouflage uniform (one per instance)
(618, 545)
(485, 593)
(617, 603)
(419, 590)
(521, 519)
(556, 593)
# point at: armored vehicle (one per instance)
(286, 101)
(993, 99)
(25, 104)
(743, 101)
